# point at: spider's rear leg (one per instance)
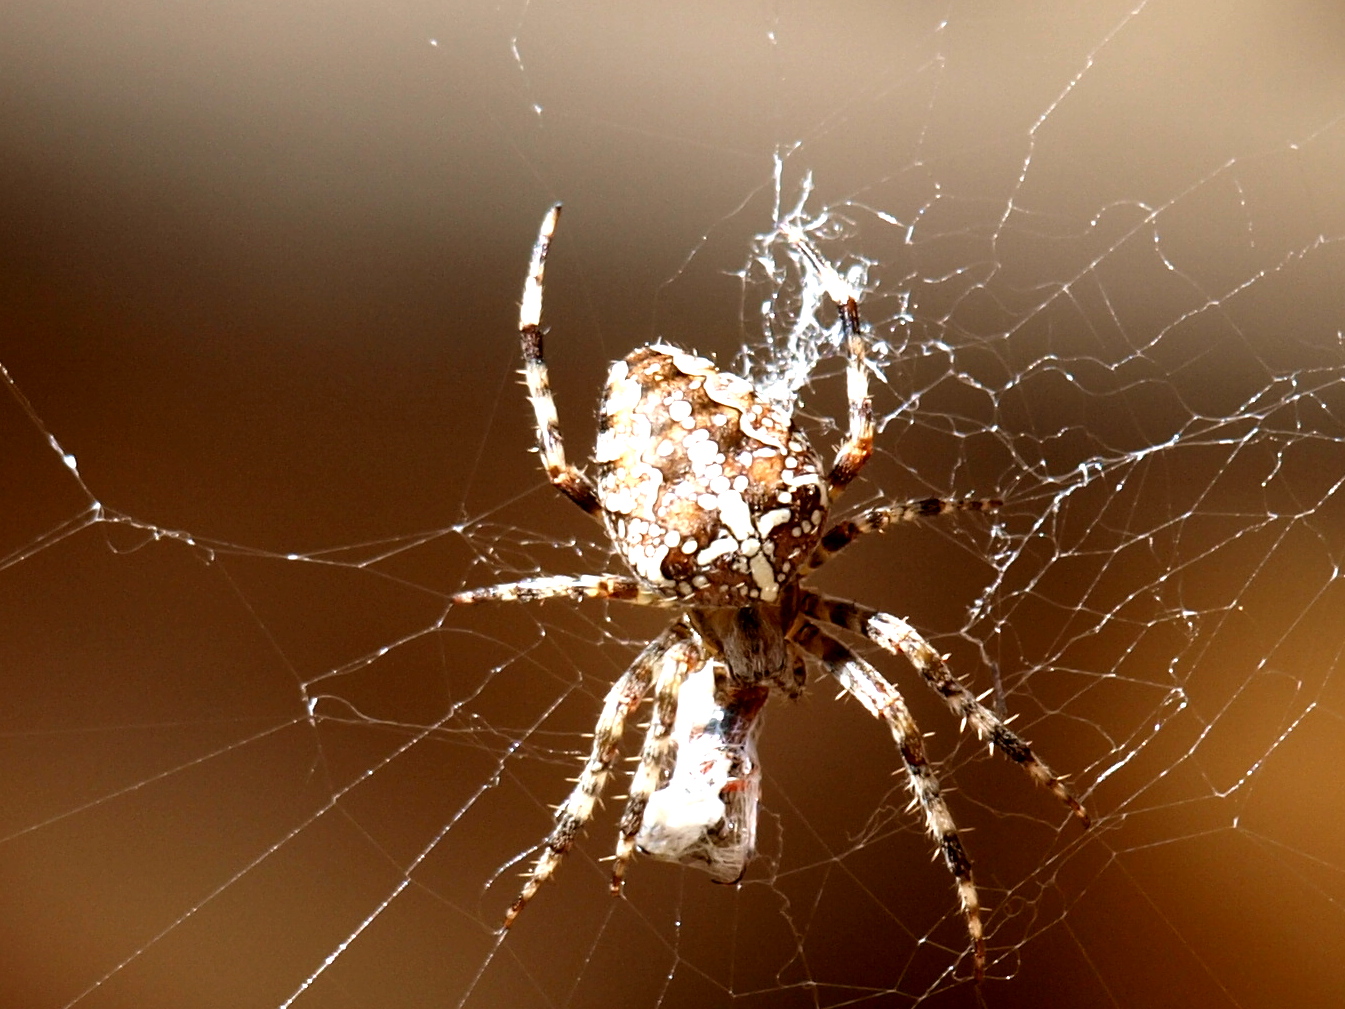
(858, 445)
(866, 685)
(898, 637)
(876, 520)
(625, 695)
(572, 483)
(659, 750)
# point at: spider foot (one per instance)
(625, 851)
(971, 911)
(529, 890)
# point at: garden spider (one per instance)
(718, 505)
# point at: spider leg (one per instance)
(882, 700)
(625, 695)
(898, 637)
(659, 750)
(858, 445)
(876, 520)
(572, 483)
(576, 587)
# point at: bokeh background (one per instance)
(260, 269)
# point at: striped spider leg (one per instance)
(877, 520)
(665, 663)
(898, 637)
(862, 681)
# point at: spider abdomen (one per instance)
(709, 492)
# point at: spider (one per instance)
(718, 505)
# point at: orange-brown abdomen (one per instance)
(709, 492)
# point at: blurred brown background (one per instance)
(260, 269)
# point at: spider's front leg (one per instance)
(572, 483)
(900, 638)
(659, 750)
(864, 683)
(625, 695)
(858, 445)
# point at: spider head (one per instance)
(709, 492)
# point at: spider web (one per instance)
(261, 418)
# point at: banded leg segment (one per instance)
(882, 700)
(898, 637)
(576, 587)
(572, 483)
(858, 445)
(625, 695)
(877, 520)
(658, 753)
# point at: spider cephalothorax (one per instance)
(718, 505)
